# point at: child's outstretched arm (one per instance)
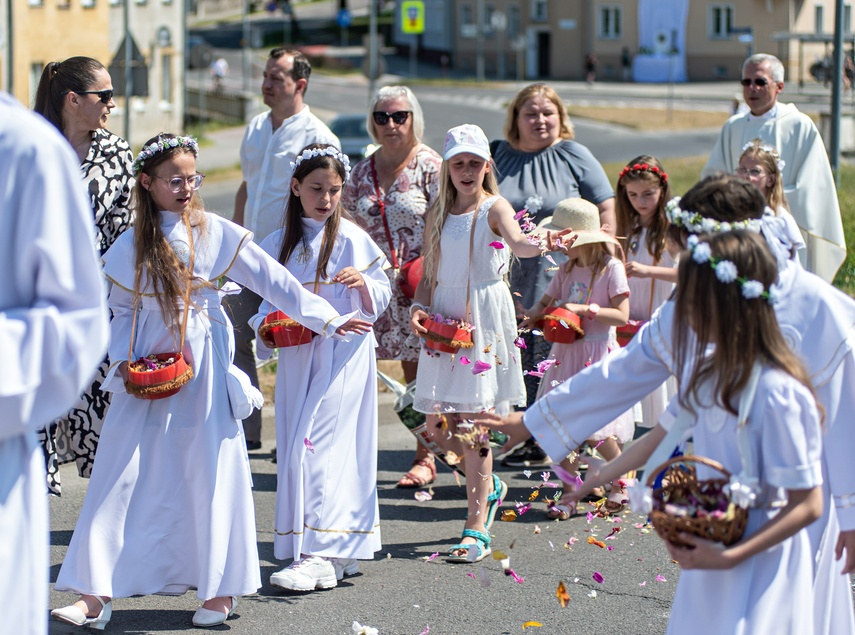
(803, 507)
(531, 315)
(501, 219)
(638, 270)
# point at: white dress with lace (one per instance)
(445, 382)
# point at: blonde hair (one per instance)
(512, 130)
(164, 270)
(768, 156)
(439, 212)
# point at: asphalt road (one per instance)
(400, 593)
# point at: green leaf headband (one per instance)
(161, 145)
(726, 272)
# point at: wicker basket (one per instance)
(161, 382)
(680, 481)
(282, 331)
(560, 325)
(446, 338)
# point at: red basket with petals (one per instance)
(158, 376)
(281, 331)
(560, 326)
(447, 338)
(627, 332)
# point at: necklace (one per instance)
(304, 255)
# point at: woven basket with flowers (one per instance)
(685, 504)
(281, 331)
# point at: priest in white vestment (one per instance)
(53, 335)
(808, 180)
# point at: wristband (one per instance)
(593, 310)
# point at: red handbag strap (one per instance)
(382, 205)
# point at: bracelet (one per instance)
(417, 306)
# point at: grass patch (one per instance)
(648, 119)
(684, 173)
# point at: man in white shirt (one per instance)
(271, 142)
(808, 181)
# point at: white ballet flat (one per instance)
(75, 615)
(206, 618)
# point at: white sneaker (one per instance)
(344, 567)
(306, 574)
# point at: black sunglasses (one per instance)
(758, 81)
(399, 117)
(104, 96)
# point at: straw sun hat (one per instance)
(580, 215)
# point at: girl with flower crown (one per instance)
(169, 506)
(761, 165)
(327, 515)
(651, 258)
(763, 582)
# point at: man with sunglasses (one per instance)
(271, 142)
(807, 178)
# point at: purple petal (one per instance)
(598, 577)
(497, 245)
(480, 367)
(465, 360)
(309, 446)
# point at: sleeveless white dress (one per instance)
(445, 383)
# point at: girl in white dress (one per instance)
(762, 166)
(327, 514)
(169, 505)
(469, 234)
(726, 334)
(651, 257)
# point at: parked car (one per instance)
(351, 130)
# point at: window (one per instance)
(514, 21)
(538, 11)
(720, 21)
(818, 18)
(847, 18)
(166, 78)
(87, 4)
(36, 69)
(488, 26)
(35, 3)
(609, 27)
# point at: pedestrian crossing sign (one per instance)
(413, 17)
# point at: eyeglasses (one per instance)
(760, 82)
(176, 183)
(752, 172)
(399, 117)
(104, 96)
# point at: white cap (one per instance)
(466, 138)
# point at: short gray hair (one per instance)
(397, 92)
(776, 68)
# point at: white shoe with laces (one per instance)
(306, 574)
(345, 567)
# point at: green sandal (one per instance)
(482, 543)
(500, 491)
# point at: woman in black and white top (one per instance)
(76, 96)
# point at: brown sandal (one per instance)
(414, 479)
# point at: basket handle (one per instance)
(683, 459)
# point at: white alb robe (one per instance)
(808, 180)
(326, 393)
(169, 504)
(818, 322)
(53, 334)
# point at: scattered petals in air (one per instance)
(523, 508)
(520, 343)
(571, 540)
(509, 515)
(642, 583)
(465, 360)
(562, 594)
(534, 494)
(660, 578)
(550, 259)
(499, 555)
(497, 245)
(432, 557)
(531, 624)
(426, 631)
(423, 496)
(598, 543)
(520, 214)
(610, 548)
(592, 593)
(471, 575)
(527, 473)
(480, 367)
(309, 447)
(517, 578)
(359, 629)
(598, 577)
(544, 476)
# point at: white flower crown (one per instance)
(694, 223)
(765, 147)
(329, 151)
(156, 147)
(726, 272)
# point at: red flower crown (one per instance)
(644, 167)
